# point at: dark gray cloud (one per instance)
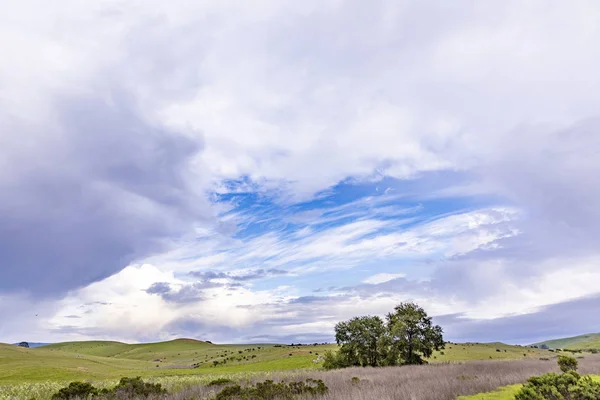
(85, 198)
(159, 288)
(187, 293)
(248, 276)
(558, 320)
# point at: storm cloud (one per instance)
(84, 197)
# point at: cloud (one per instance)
(223, 143)
(558, 320)
(159, 288)
(244, 277)
(383, 277)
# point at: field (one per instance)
(589, 341)
(186, 366)
(441, 381)
(110, 360)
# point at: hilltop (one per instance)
(581, 342)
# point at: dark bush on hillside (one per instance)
(269, 390)
(127, 388)
(76, 390)
(220, 381)
(567, 386)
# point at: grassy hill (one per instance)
(582, 342)
(102, 360)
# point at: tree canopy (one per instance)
(406, 337)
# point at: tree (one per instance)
(359, 338)
(407, 338)
(413, 336)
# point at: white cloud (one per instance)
(383, 277)
(296, 97)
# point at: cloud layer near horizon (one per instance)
(240, 171)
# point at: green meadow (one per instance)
(186, 363)
(99, 360)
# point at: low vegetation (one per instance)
(127, 388)
(436, 381)
(269, 390)
(568, 385)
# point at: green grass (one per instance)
(503, 393)
(589, 341)
(485, 351)
(105, 360)
(98, 360)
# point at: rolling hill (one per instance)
(582, 342)
(111, 360)
(105, 360)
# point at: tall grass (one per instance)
(424, 382)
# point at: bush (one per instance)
(568, 385)
(355, 380)
(332, 360)
(127, 388)
(567, 364)
(220, 381)
(133, 388)
(269, 390)
(76, 390)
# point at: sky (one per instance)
(257, 171)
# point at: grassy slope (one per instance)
(504, 393)
(589, 341)
(111, 360)
(485, 351)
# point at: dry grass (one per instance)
(427, 382)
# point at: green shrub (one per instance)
(133, 388)
(566, 386)
(355, 380)
(269, 390)
(220, 381)
(127, 388)
(76, 390)
(567, 364)
(333, 360)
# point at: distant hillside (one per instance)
(33, 345)
(589, 341)
(106, 360)
(142, 351)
